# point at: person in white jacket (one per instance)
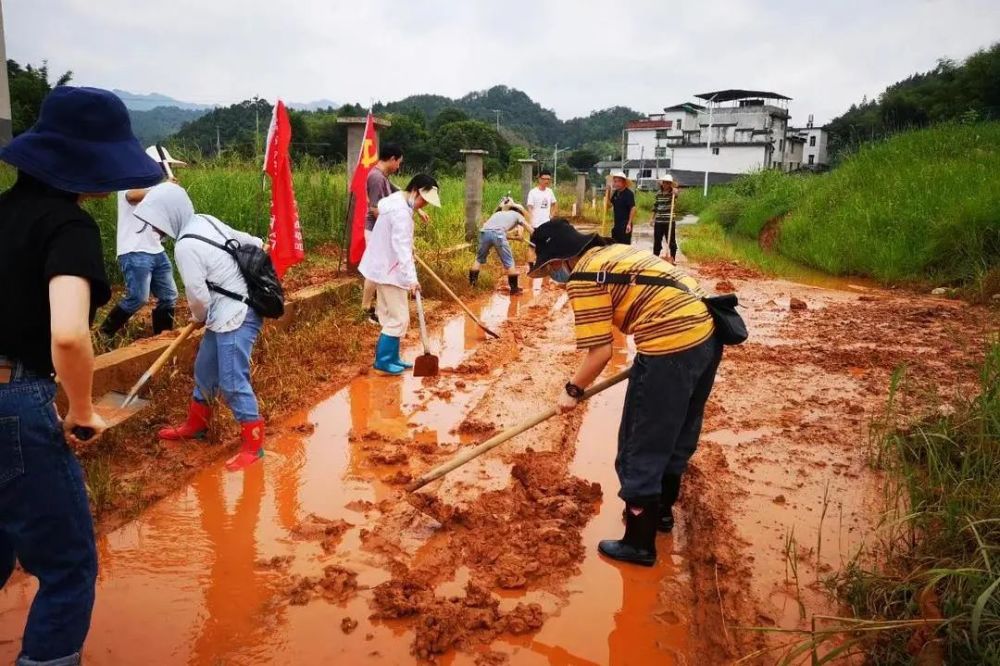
(223, 361)
(388, 262)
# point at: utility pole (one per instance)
(708, 143)
(555, 163)
(218, 143)
(256, 135)
(497, 111)
(6, 118)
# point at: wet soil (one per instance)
(319, 556)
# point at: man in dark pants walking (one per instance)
(663, 218)
(623, 205)
(52, 269)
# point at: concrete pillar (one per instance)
(527, 178)
(5, 116)
(581, 191)
(473, 191)
(355, 135)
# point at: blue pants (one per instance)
(45, 521)
(223, 365)
(146, 272)
(661, 422)
(498, 239)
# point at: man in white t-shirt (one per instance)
(143, 262)
(541, 201)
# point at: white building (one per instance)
(737, 131)
(816, 139)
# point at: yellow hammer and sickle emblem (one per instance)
(368, 154)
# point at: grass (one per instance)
(923, 206)
(931, 584)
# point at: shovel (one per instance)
(425, 365)
(510, 433)
(457, 299)
(115, 407)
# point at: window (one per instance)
(812, 159)
(781, 145)
(668, 164)
(646, 173)
(661, 151)
(812, 140)
(715, 151)
(661, 134)
(680, 123)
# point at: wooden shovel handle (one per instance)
(467, 455)
(458, 300)
(158, 363)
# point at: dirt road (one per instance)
(314, 557)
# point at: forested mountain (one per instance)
(964, 92)
(150, 101)
(161, 122)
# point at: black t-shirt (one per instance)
(43, 233)
(623, 201)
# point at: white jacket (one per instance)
(388, 257)
(168, 208)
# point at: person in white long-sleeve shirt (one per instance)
(223, 361)
(388, 262)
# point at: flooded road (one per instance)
(203, 576)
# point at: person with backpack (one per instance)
(214, 284)
(678, 352)
(388, 262)
(508, 215)
(53, 277)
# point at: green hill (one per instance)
(920, 206)
(161, 122)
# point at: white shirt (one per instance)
(200, 263)
(540, 204)
(388, 257)
(134, 235)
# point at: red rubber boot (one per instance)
(194, 428)
(252, 449)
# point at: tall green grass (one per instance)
(940, 558)
(921, 206)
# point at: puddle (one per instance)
(182, 584)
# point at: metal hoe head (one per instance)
(425, 365)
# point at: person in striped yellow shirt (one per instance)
(677, 356)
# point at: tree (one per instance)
(409, 132)
(583, 160)
(468, 134)
(28, 87)
(448, 116)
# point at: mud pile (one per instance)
(336, 585)
(454, 622)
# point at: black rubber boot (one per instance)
(473, 278)
(163, 320)
(115, 320)
(514, 289)
(670, 489)
(638, 546)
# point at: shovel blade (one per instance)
(109, 407)
(425, 365)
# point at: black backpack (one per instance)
(264, 291)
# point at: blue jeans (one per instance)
(223, 365)
(498, 239)
(45, 521)
(664, 408)
(146, 272)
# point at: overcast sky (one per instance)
(572, 56)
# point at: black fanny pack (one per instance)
(729, 325)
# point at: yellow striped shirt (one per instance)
(663, 320)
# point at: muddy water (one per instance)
(184, 583)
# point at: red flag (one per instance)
(359, 190)
(287, 248)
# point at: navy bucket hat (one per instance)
(83, 143)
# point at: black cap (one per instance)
(555, 240)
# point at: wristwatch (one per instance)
(574, 391)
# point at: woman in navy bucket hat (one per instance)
(52, 269)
